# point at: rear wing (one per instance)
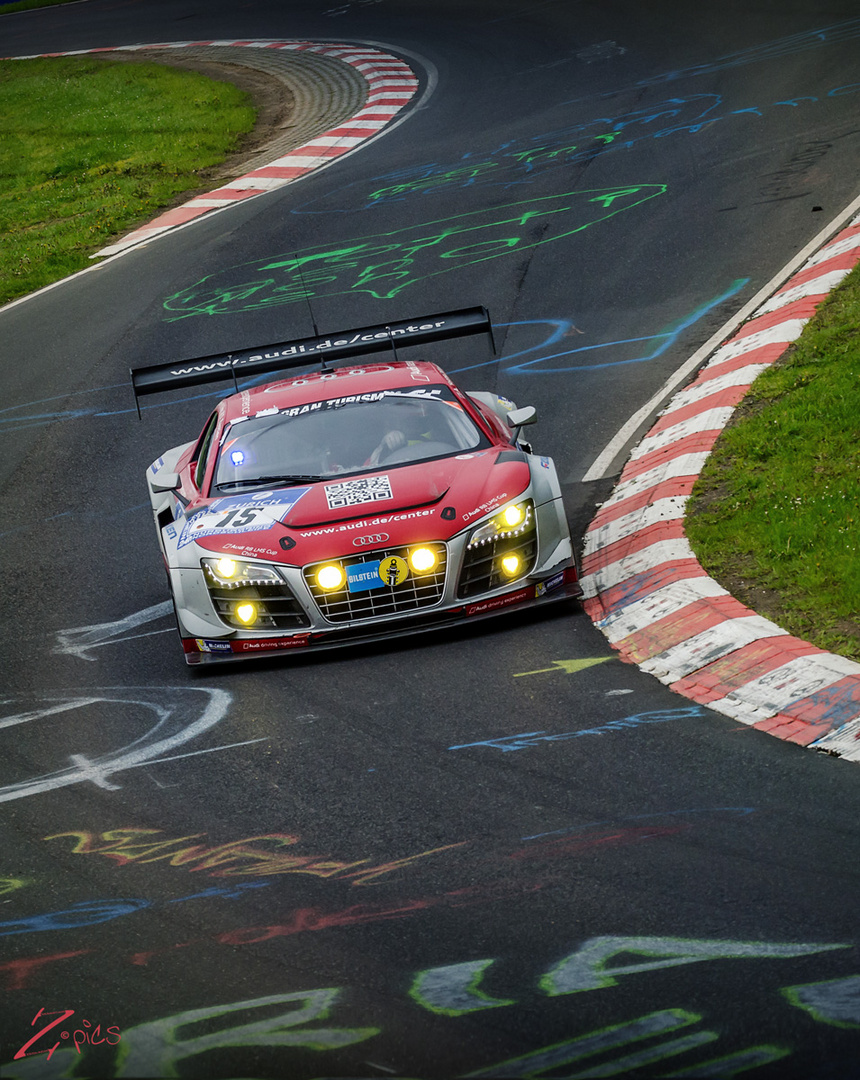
(327, 349)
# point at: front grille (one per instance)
(415, 592)
(277, 608)
(482, 565)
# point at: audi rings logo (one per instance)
(371, 538)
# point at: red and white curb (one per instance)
(644, 587)
(391, 85)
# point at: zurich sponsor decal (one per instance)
(371, 538)
(240, 514)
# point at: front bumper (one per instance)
(305, 620)
(561, 585)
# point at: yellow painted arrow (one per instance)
(569, 666)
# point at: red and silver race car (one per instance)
(352, 503)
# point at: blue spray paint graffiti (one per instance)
(91, 912)
(509, 743)
(562, 328)
(520, 162)
(553, 332)
(835, 34)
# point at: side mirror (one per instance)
(518, 418)
(164, 481)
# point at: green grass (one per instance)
(26, 5)
(89, 148)
(775, 515)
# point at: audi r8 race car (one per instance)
(351, 503)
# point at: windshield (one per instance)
(355, 434)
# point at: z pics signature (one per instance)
(82, 1036)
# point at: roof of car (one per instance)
(344, 381)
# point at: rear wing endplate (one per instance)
(327, 349)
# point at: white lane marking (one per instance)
(602, 465)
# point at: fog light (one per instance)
(330, 577)
(246, 613)
(422, 560)
(511, 564)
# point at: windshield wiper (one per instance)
(294, 478)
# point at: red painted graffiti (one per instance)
(303, 920)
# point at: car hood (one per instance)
(454, 479)
(434, 499)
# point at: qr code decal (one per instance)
(353, 492)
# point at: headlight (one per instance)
(231, 574)
(330, 576)
(513, 520)
(422, 559)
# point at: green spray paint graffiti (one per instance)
(384, 264)
(301, 1020)
(836, 1001)
(505, 172)
(155, 1049)
(607, 1039)
(9, 884)
(453, 989)
(587, 969)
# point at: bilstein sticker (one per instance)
(393, 570)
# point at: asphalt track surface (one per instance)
(498, 853)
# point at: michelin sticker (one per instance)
(213, 646)
(240, 514)
(543, 587)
